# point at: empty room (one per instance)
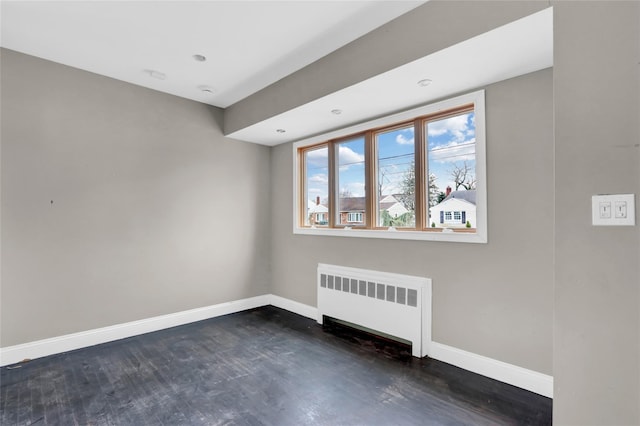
(319, 212)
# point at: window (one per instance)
(350, 175)
(315, 165)
(395, 184)
(354, 217)
(454, 218)
(414, 175)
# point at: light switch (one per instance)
(613, 210)
(621, 209)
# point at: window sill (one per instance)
(456, 237)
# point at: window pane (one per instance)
(351, 181)
(316, 186)
(451, 154)
(396, 178)
(355, 217)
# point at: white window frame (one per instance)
(359, 217)
(481, 234)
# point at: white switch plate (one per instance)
(613, 210)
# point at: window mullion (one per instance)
(370, 183)
(421, 176)
(333, 185)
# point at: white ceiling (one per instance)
(515, 49)
(248, 44)
(251, 44)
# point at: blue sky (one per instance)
(450, 141)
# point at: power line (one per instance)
(446, 147)
(454, 156)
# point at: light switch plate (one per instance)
(613, 210)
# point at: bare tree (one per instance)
(346, 193)
(463, 176)
(381, 181)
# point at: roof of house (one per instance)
(357, 204)
(469, 196)
(352, 204)
(387, 205)
(318, 208)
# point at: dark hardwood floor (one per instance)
(260, 367)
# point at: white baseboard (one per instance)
(293, 306)
(517, 376)
(530, 380)
(69, 342)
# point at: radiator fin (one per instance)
(402, 296)
(386, 292)
(412, 297)
(391, 293)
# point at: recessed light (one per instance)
(424, 82)
(336, 111)
(199, 58)
(206, 89)
(156, 74)
(280, 130)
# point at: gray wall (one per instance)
(154, 211)
(597, 276)
(492, 299)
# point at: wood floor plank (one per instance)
(265, 366)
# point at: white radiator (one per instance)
(394, 304)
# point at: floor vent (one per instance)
(393, 304)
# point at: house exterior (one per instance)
(352, 209)
(391, 205)
(317, 214)
(458, 208)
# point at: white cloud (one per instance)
(456, 126)
(318, 158)
(403, 140)
(347, 156)
(319, 178)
